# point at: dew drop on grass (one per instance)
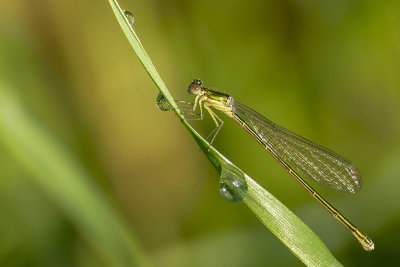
(129, 17)
(233, 186)
(162, 103)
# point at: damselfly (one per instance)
(299, 156)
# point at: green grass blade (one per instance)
(273, 214)
(293, 232)
(59, 175)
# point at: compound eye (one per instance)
(198, 82)
(195, 86)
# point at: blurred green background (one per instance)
(93, 174)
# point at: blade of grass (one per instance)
(63, 179)
(273, 214)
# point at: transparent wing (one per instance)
(308, 159)
(186, 109)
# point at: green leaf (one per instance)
(235, 184)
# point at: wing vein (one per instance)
(313, 161)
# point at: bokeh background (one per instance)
(91, 168)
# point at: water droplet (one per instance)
(233, 186)
(162, 103)
(129, 17)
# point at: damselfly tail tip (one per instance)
(368, 244)
(365, 241)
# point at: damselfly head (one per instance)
(195, 86)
